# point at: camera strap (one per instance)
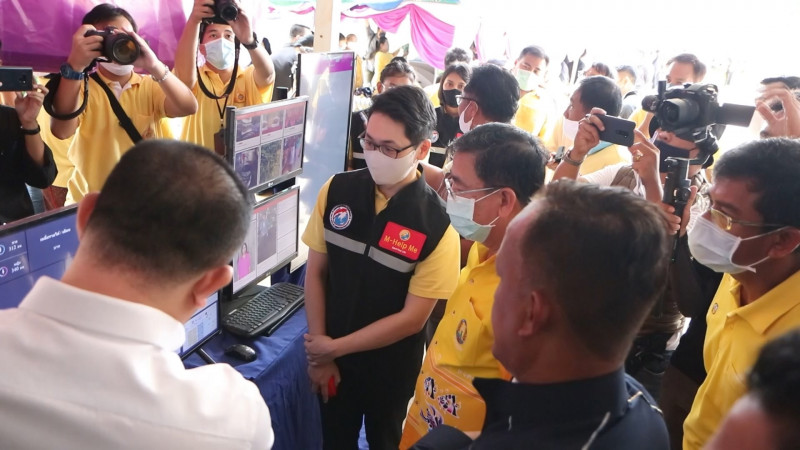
(124, 121)
(52, 87)
(229, 87)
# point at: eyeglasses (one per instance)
(726, 222)
(448, 185)
(461, 98)
(391, 152)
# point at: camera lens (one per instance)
(677, 112)
(227, 10)
(123, 49)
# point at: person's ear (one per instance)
(508, 202)
(202, 49)
(537, 312)
(380, 87)
(85, 209)
(211, 281)
(786, 242)
(422, 150)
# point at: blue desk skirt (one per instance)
(280, 374)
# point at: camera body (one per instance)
(120, 48)
(692, 108)
(226, 10)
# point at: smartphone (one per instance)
(16, 79)
(618, 131)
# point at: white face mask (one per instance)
(461, 210)
(462, 123)
(713, 247)
(220, 53)
(527, 80)
(388, 171)
(117, 69)
(570, 129)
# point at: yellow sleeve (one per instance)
(158, 99)
(256, 95)
(638, 116)
(437, 276)
(314, 234)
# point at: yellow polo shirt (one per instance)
(100, 141)
(533, 114)
(60, 148)
(613, 154)
(201, 127)
(734, 337)
(461, 350)
(435, 277)
(382, 59)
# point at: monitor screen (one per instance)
(267, 142)
(203, 325)
(271, 240)
(327, 80)
(33, 247)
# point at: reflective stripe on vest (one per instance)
(376, 255)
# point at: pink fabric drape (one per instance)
(431, 37)
(39, 33)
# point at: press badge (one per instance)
(402, 240)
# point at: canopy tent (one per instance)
(39, 34)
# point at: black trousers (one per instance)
(377, 397)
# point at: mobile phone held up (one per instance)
(618, 131)
(16, 79)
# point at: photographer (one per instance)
(214, 37)
(24, 157)
(102, 140)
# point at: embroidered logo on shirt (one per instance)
(340, 217)
(714, 308)
(403, 241)
(430, 387)
(450, 404)
(461, 331)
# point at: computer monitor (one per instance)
(34, 247)
(44, 245)
(203, 325)
(264, 143)
(271, 240)
(327, 80)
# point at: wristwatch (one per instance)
(253, 45)
(67, 72)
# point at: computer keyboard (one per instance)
(264, 313)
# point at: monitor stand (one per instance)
(205, 356)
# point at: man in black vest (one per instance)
(381, 252)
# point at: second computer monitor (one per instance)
(266, 142)
(271, 240)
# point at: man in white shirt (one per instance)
(90, 362)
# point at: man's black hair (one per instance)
(169, 225)
(600, 92)
(604, 70)
(775, 381)
(410, 106)
(630, 70)
(771, 168)
(458, 68)
(506, 156)
(496, 91)
(297, 30)
(535, 50)
(307, 41)
(105, 12)
(790, 82)
(398, 67)
(618, 244)
(208, 21)
(698, 67)
(455, 55)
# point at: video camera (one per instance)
(688, 111)
(120, 48)
(226, 10)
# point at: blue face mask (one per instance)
(461, 210)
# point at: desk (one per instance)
(280, 374)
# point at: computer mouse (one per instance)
(241, 352)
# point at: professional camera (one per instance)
(690, 110)
(120, 48)
(226, 10)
